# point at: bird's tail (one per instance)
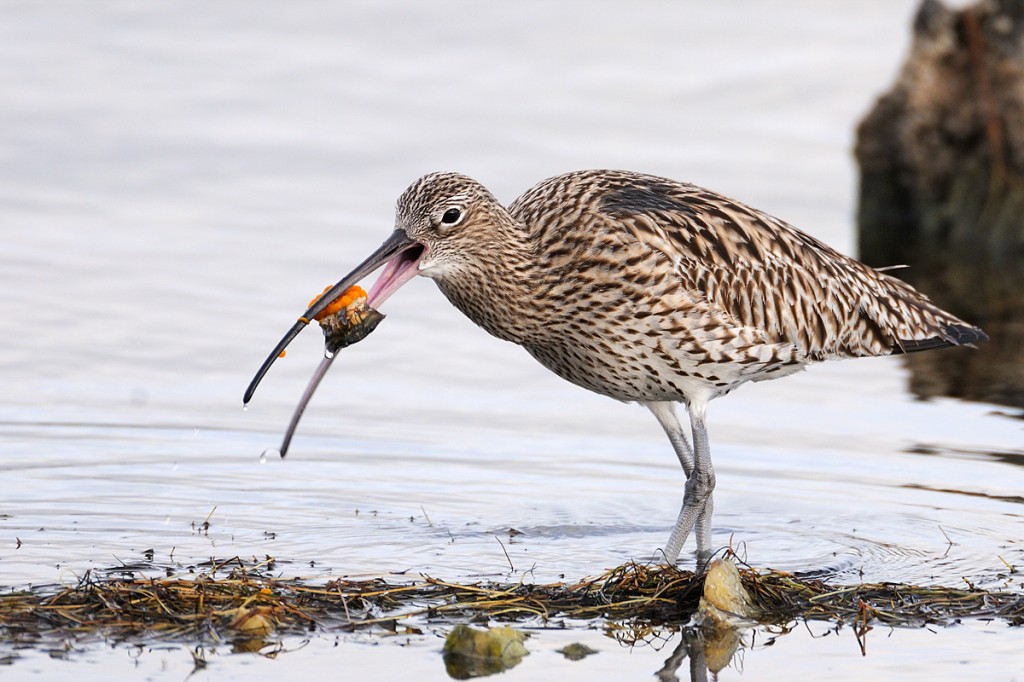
(918, 324)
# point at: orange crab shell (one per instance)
(351, 295)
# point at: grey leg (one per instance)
(665, 413)
(700, 480)
(702, 483)
(704, 550)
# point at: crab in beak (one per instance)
(400, 257)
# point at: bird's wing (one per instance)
(772, 278)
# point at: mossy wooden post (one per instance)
(942, 188)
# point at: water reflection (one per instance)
(986, 292)
(699, 651)
(689, 650)
(704, 653)
(992, 296)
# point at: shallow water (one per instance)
(178, 181)
(975, 650)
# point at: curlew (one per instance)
(647, 290)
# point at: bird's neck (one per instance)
(496, 287)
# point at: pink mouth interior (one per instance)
(397, 272)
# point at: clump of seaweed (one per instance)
(239, 601)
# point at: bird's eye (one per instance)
(451, 216)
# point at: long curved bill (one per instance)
(394, 245)
(318, 375)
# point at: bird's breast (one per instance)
(649, 350)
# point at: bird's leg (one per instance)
(700, 481)
(703, 481)
(665, 413)
(704, 550)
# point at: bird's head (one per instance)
(445, 223)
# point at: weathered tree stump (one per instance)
(942, 188)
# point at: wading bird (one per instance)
(647, 290)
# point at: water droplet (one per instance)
(269, 452)
(328, 354)
(167, 520)
(263, 457)
(174, 467)
(245, 407)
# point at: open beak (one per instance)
(401, 254)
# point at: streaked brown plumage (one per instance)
(649, 290)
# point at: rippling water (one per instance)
(178, 180)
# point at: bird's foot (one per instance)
(696, 512)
